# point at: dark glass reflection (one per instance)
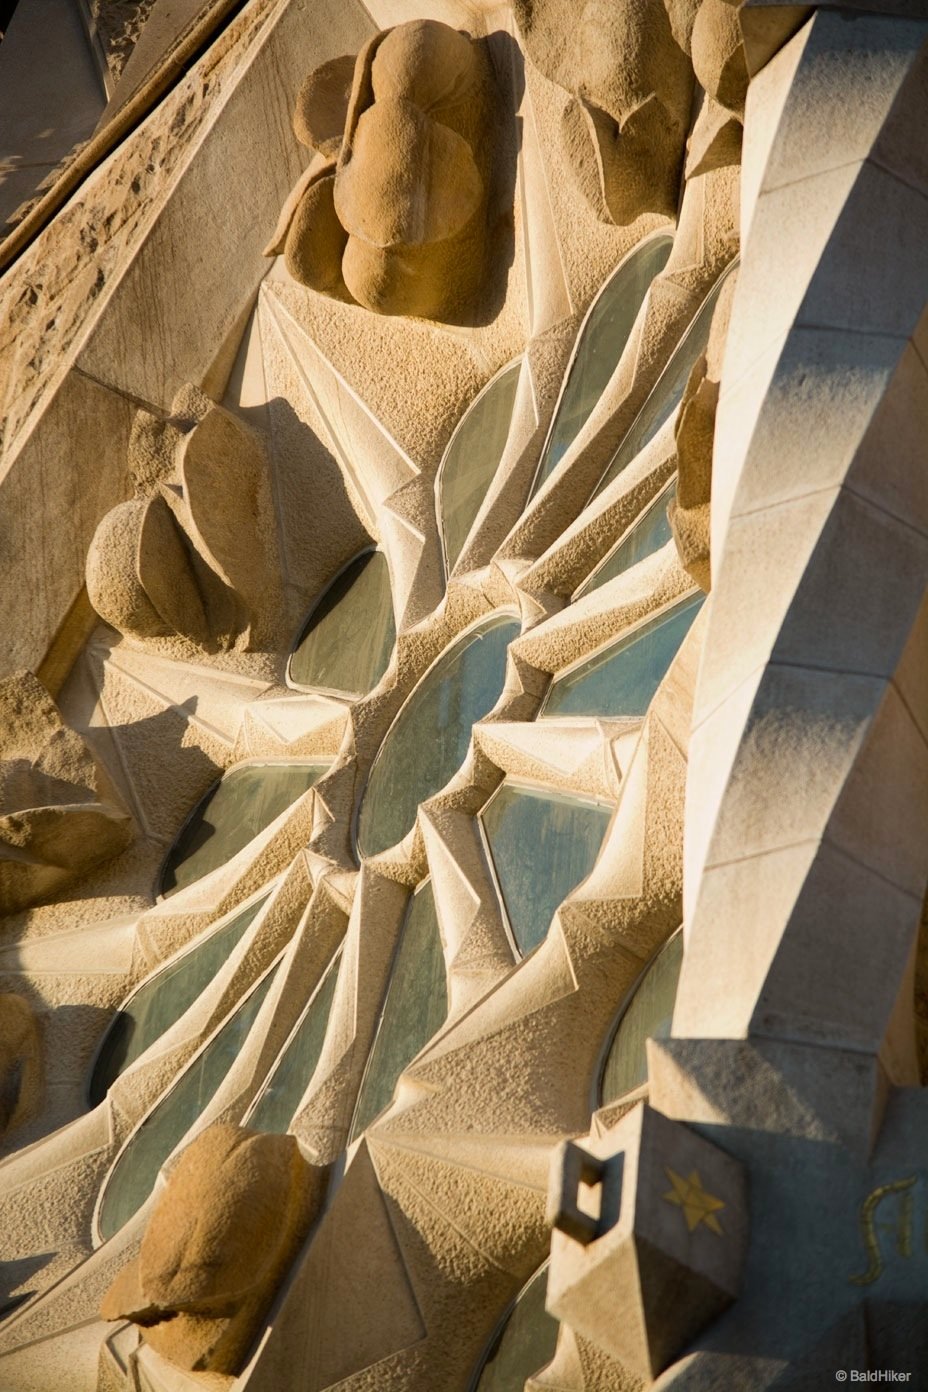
(290, 1078)
(668, 391)
(414, 1009)
(526, 1343)
(543, 844)
(622, 679)
(160, 1002)
(429, 739)
(472, 458)
(231, 814)
(347, 643)
(135, 1172)
(648, 1015)
(602, 341)
(649, 534)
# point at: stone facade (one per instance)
(465, 531)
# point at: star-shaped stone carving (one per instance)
(698, 1205)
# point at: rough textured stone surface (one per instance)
(59, 815)
(229, 1222)
(630, 84)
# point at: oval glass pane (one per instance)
(290, 1078)
(649, 534)
(414, 1009)
(348, 639)
(667, 392)
(160, 1002)
(525, 1344)
(648, 1015)
(599, 347)
(622, 679)
(542, 845)
(231, 814)
(133, 1176)
(428, 741)
(472, 458)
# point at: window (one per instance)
(472, 458)
(346, 645)
(135, 1172)
(524, 1344)
(667, 392)
(414, 1008)
(647, 534)
(163, 999)
(290, 1076)
(231, 814)
(622, 678)
(459, 689)
(599, 347)
(647, 1014)
(542, 844)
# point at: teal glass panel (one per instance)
(347, 643)
(135, 1172)
(290, 1078)
(472, 457)
(543, 844)
(648, 1015)
(649, 534)
(160, 1002)
(602, 341)
(525, 1344)
(429, 738)
(622, 679)
(414, 1009)
(667, 392)
(232, 813)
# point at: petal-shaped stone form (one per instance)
(718, 54)
(224, 1231)
(322, 105)
(316, 240)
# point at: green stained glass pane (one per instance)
(602, 340)
(135, 1172)
(543, 844)
(525, 1344)
(648, 1015)
(649, 534)
(160, 1002)
(290, 1078)
(667, 393)
(414, 1009)
(622, 679)
(347, 643)
(472, 457)
(429, 738)
(233, 812)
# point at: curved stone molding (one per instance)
(392, 212)
(59, 814)
(173, 562)
(222, 1234)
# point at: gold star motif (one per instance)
(698, 1205)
